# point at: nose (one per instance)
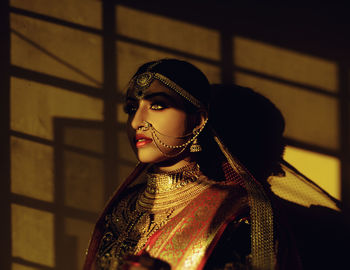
(138, 119)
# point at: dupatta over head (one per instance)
(245, 164)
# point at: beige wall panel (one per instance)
(131, 56)
(83, 181)
(34, 106)
(168, 33)
(123, 172)
(16, 266)
(285, 64)
(81, 231)
(32, 169)
(56, 50)
(91, 139)
(84, 12)
(122, 117)
(310, 117)
(124, 149)
(33, 235)
(345, 185)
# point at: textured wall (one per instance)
(69, 64)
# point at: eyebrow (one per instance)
(159, 94)
(152, 95)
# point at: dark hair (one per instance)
(183, 74)
(249, 124)
(251, 127)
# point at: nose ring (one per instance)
(145, 126)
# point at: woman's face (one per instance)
(164, 110)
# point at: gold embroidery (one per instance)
(186, 237)
(261, 214)
(141, 213)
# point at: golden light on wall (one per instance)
(33, 235)
(169, 33)
(284, 76)
(131, 56)
(81, 137)
(53, 47)
(154, 30)
(122, 117)
(34, 105)
(83, 179)
(310, 117)
(87, 13)
(53, 50)
(285, 64)
(81, 231)
(322, 169)
(68, 47)
(32, 169)
(17, 266)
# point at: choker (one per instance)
(165, 182)
(170, 191)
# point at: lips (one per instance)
(142, 140)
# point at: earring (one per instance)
(195, 147)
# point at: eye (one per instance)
(130, 108)
(157, 106)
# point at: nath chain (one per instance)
(183, 146)
(146, 126)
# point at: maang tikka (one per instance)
(143, 81)
(140, 83)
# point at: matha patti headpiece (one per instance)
(141, 83)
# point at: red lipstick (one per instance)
(142, 140)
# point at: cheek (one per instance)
(173, 124)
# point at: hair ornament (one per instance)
(142, 83)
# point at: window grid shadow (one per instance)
(107, 92)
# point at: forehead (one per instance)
(154, 88)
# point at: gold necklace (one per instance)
(165, 182)
(140, 214)
(172, 190)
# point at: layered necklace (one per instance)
(141, 213)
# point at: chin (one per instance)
(145, 157)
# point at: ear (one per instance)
(202, 117)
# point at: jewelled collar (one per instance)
(165, 182)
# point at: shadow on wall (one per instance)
(81, 185)
(68, 147)
(56, 211)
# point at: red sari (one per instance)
(188, 239)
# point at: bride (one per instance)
(198, 197)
